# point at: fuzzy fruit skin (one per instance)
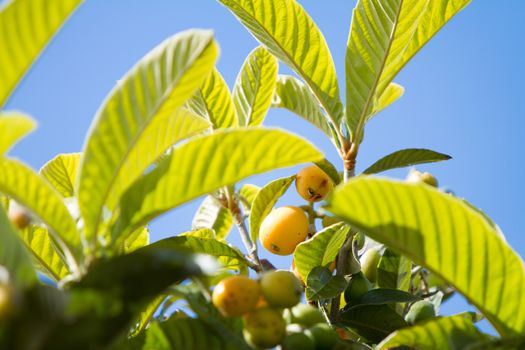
(283, 229)
(369, 261)
(418, 177)
(324, 336)
(305, 315)
(358, 286)
(298, 341)
(281, 288)
(264, 328)
(235, 296)
(313, 184)
(420, 311)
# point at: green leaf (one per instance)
(147, 314)
(61, 173)
(330, 170)
(13, 255)
(404, 158)
(288, 32)
(293, 95)
(320, 284)
(231, 258)
(392, 93)
(137, 239)
(48, 261)
(443, 234)
(13, 127)
(192, 169)
(212, 215)
(255, 87)
(393, 271)
(203, 233)
(507, 343)
(447, 333)
(382, 296)
(247, 194)
(27, 27)
(213, 101)
(384, 36)
(374, 322)
(320, 250)
(25, 186)
(264, 202)
(141, 119)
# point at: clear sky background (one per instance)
(464, 96)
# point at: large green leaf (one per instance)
(293, 95)
(231, 258)
(137, 239)
(394, 271)
(141, 119)
(26, 26)
(255, 87)
(213, 101)
(384, 36)
(392, 93)
(207, 163)
(443, 234)
(13, 255)
(38, 241)
(404, 158)
(444, 333)
(289, 33)
(264, 202)
(13, 126)
(211, 214)
(320, 250)
(25, 186)
(61, 173)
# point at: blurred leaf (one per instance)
(48, 261)
(141, 119)
(383, 38)
(264, 202)
(255, 87)
(320, 284)
(321, 249)
(247, 194)
(510, 343)
(13, 255)
(212, 215)
(203, 233)
(434, 229)
(374, 322)
(191, 169)
(27, 27)
(330, 170)
(213, 101)
(61, 173)
(137, 239)
(392, 93)
(404, 158)
(288, 32)
(393, 271)
(147, 314)
(381, 296)
(13, 126)
(293, 95)
(29, 189)
(447, 333)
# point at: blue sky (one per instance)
(464, 95)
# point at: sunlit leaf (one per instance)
(404, 158)
(434, 229)
(330, 170)
(26, 28)
(247, 194)
(392, 93)
(213, 101)
(384, 36)
(137, 239)
(38, 241)
(255, 87)
(321, 284)
(321, 249)
(13, 255)
(447, 333)
(13, 126)
(61, 173)
(192, 169)
(264, 202)
(288, 32)
(293, 95)
(141, 119)
(25, 186)
(212, 215)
